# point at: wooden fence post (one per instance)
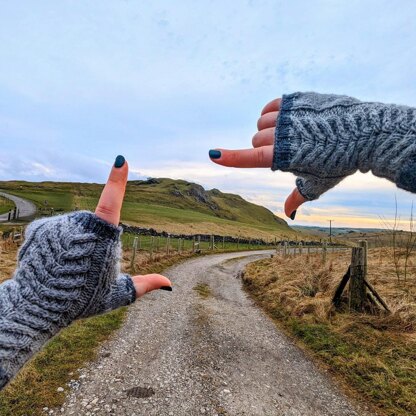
(193, 244)
(152, 242)
(133, 256)
(300, 248)
(223, 242)
(167, 244)
(357, 288)
(324, 250)
(285, 249)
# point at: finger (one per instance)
(261, 157)
(111, 200)
(293, 202)
(264, 137)
(267, 120)
(272, 106)
(147, 283)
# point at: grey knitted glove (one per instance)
(323, 138)
(68, 268)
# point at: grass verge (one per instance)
(374, 357)
(5, 205)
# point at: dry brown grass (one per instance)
(303, 286)
(374, 354)
(8, 254)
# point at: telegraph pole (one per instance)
(330, 231)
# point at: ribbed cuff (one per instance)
(130, 287)
(93, 224)
(283, 153)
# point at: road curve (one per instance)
(27, 209)
(215, 356)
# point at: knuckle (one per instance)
(260, 156)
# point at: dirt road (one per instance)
(27, 209)
(218, 355)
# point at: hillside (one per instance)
(164, 204)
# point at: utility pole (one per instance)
(330, 231)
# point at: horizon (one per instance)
(81, 83)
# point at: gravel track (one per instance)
(193, 356)
(27, 209)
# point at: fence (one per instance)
(362, 296)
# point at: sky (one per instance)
(163, 82)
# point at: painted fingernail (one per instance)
(214, 154)
(168, 288)
(293, 215)
(119, 161)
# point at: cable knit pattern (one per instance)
(323, 138)
(68, 268)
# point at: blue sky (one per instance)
(162, 82)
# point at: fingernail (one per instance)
(293, 215)
(214, 154)
(119, 161)
(168, 288)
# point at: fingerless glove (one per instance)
(68, 268)
(323, 138)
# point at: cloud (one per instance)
(163, 82)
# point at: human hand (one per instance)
(109, 208)
(261, 156)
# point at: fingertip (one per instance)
(111, 199)
(273, 105)
(293, 202)
(214, 154)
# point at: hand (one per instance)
(261, 156)
(109, 208)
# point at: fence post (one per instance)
(324, 250)
(357, 288)
(238, 241)
(133, 255)
(199, 243)
(285, 249)
(193, 244)
(158, 243)
(152, 242)
(167, 244)
(223, 242)
(300, 248)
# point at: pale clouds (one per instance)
(162, 82)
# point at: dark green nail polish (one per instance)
(214, 154)
(168, 288)
(293, 215)
(119, 161)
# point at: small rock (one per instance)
(226, 391)
(94, 401)
(60, 389)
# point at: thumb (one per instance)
(148, 282)
(111, 200)
(308, 189)
(293, 202)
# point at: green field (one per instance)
(5, 205)
(175, 206)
